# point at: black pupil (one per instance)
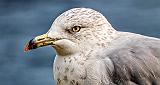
(76, 28)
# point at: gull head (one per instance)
(76, 30)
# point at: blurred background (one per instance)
(21, 20)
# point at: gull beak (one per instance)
(39, 41)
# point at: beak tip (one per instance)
(26, 48)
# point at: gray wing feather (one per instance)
(137, 63)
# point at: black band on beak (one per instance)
(39, 41)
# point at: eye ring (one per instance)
(76, 29)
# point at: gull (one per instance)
(89, 51)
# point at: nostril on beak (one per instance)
(41, 39)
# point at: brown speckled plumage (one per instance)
(97, 54)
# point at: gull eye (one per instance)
(76, 29)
